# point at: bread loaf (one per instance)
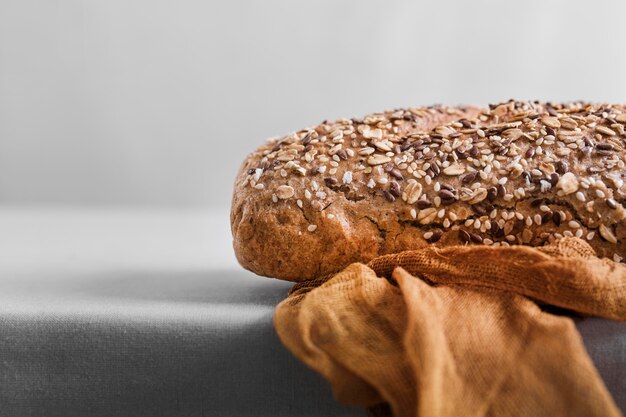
(312, 202)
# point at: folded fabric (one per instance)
(459, 331)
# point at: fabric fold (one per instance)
(456, 331)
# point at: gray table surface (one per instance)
(146, 313)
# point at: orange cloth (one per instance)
(458, 331)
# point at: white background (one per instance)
(146, 102)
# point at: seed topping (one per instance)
(447, 165)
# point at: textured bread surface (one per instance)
(309, 203)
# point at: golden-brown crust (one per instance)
(310, 203)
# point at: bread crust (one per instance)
(308, 204)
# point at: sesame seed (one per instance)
(312, 227)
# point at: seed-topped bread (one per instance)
(312, 202)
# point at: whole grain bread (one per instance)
(309, 203)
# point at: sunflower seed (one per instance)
(605, 130)
(383, 146)
(378, 159)
(568, 123)
(455, 169)
(552, 122)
